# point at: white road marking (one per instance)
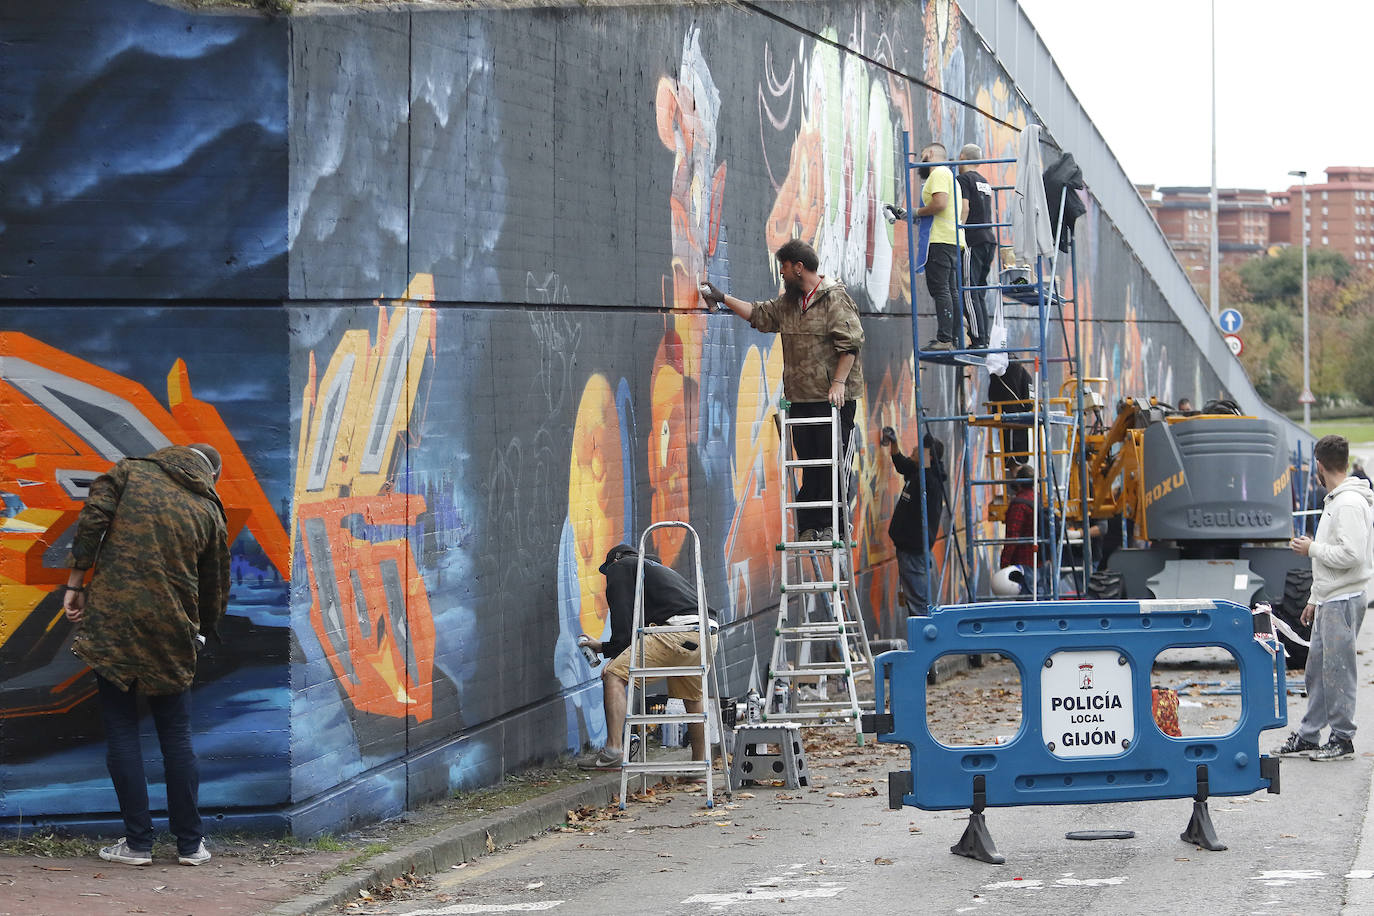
(1035, 884)
(1286, 877)
(797, 893)
(1361, 873)
(460, 909)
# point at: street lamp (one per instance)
(1306, 349)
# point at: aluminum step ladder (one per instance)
(642, 719)
(818, 610)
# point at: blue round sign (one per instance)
(1230, 321)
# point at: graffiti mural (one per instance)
(64, 420)
(458, 352)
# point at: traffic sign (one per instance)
(1231, 321)
(1307, 397)
(1235, 343)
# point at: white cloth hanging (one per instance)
(1031, 235)
(996, 363)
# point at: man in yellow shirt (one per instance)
(940, 200)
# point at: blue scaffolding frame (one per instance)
(1044, 295)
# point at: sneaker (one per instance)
(938, 345)
(636, 747)
(826, 534)
(1296, 747)
(1335, 749)
(121, 853)
(809, 534)
(199, 857)
(599, 760)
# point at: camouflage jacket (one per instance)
(814, 340)
(155, 531)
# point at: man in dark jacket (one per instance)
(669, 600)
(912, 538)
(976, 195)
(154, 531)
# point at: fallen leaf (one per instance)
(665, 855)
(755, 836)
(724, 823)
(534, 886)
(913, 830)
(881, 861)
(1289, 836)
(51, 868)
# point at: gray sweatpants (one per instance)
(1330, 673)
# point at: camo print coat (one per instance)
(814, 340)
(155, 531)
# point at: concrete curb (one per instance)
(457, 844)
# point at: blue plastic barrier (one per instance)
(1087, 732)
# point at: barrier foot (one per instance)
(1200, 831)
(976, 843)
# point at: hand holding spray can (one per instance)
(593, 659)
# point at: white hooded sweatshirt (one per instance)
(1343, 551)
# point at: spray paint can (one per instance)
(588, 652)
(753, 707)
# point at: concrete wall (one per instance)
(428, 277)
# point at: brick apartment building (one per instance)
(1249, 221)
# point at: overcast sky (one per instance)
(1294, 84)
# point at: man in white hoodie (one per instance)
(1342, 560)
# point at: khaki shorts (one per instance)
(665, 650)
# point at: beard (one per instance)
(793, 287)
(923, 171)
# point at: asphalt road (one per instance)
(836, 848)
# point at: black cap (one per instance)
(615, 553)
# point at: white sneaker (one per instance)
(199, 857)
(121, 853)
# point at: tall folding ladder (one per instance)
(818, 610)
(639, 674)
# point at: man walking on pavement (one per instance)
(1342, 557)
(669, 600)
(976, 208)
(909, 535)
(154, 531)
(940, 200)
(821, 340)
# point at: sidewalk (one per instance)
(252, 877)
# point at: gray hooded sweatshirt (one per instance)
(1343, 551)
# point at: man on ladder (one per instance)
(821, 339)
(669, 600)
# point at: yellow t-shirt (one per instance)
(942, 228)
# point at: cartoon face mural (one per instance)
(842, 167)
(596, 496)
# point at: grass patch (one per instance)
(49, 846)
(328, 843)
(370, 850)
(517, 788)
(1355, 429)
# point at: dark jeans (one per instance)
(124, 758)
(814, 442)
(911, 570)
(943, 283)
(980, 258)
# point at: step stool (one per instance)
(753, 763)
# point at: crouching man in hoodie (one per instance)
(1342, 560)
